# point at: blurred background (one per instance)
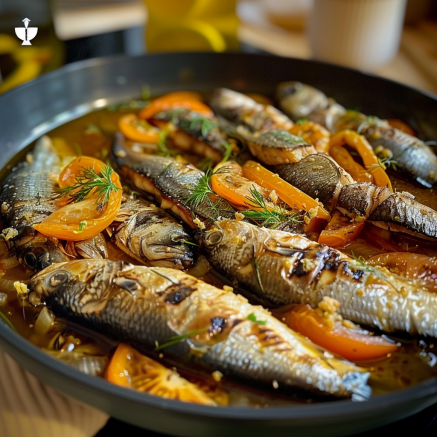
(72, 30)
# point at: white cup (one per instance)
(363, 34)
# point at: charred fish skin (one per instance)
(414, 158)
(284, 269)
(153, 237)
(142, 305)
(171, 182)
(27, 198)
(244, 111)
(321, 178)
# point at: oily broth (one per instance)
(91, 135)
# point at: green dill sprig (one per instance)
(368, 121)
(205, 124)
(90, 182)
(206, 164)
(228, 151)
(133, 104)
(255, 267)
(252, 318)
(171, 341)
(163, 149)
(201, 191)
(384, 163)
(360, 262)
(270, 218)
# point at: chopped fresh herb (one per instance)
(7, 321)
(133, 104)
(78, 149)
(163, 149)
(270, 218)
(361, 263)
(90, 182)
(190, 243)
(82, 225)
(92, 129)
(384, 164)
(228, 151)
(202, 190)
(205, 124)
(171, 341)
(258, 276)
(165, 277)
(352, 111)
(286, 136)
(253, 318)
(302, 121)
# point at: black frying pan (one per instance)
(37, 107)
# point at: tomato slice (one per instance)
(340, 231)
(352, 344)
(138, 130)
(180, 99)
(131, 369)
(85, 219)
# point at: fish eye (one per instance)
(214, 237)
(58, 278)
(30, 260)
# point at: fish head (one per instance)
(298, 100)
(166, 241)
(88, 280)
(37, 256)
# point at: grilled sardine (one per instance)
(26, 199)
(283, 268)
(144, 306)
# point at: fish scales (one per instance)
(143, 305)
(28, 197)
(309, 271)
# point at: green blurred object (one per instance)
(191, 25)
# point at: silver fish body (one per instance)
(283, 268)
(171, 182)
(144, 305)
(152, 236)
(415, 159)
(244, 111)
(320, 177)
(26, 199)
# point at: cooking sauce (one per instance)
(414, 361)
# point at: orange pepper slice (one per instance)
(340, 231)
(352, 344)
(361, 145)
(179, 99)
(134, 129)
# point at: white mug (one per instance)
(363, 34)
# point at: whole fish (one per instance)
(283, 268)
(194, 132)
(147, 233)
(413, 157)
(171, 182)
(145, 306)
(28, 197)
(241, 116)
(320, 177)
